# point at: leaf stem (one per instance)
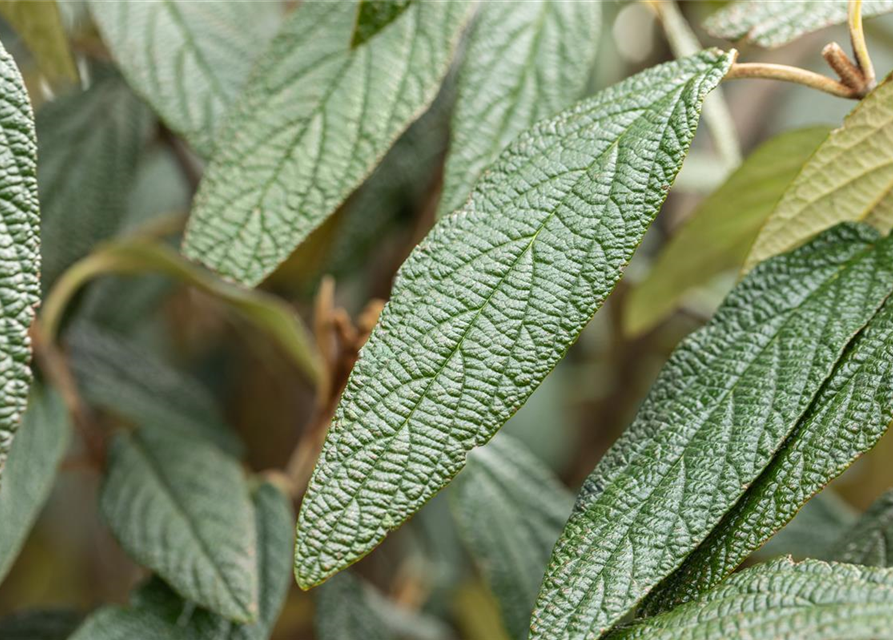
(785, 73)
(860, 48)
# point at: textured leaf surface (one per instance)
(783, 600)
(491, 300)
(848, 179)
(188, 59)
(870, 540)
(814, 531)
(313, 122)
(133, 383)
(847, 418)
(40, 26)
(89, 146)
(774, 23)
(19, 247)
(510, 510)
(720, 409)
(525, 61)
(117, 623)
(31, 470)
(720, 232)
(343, 612)
(182, 509)
(51, 624)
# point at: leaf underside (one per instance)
(491, 300)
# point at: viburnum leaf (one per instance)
(782, 600)
(19, 212)
(526, 508)
(723, 405)
(31, 470)
(719, 233)
(40, 624)
(182, 508)
(870, 540)
(40, 27)
(112, 622)
(314, 121)
(215, 46)
(490, 301)
(525, 61)
(773, 24)
(849, 178)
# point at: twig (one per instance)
(860, 47)
(849, 73)
(785, 73)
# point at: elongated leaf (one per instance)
(51, 624)
(89, 146)
(215, 46)
(312, 124)
(870, 540)
(40, 26)
(848, 179)
(19, 285)
(525, 61)
(117, 623)
(31, 469)
(119, 376)
(814, 531)
(491, 300)
(723, 405)
(773, 24)
(846, 419)
(783, 600)
(720, 232)
(182, 509)
(510, 510)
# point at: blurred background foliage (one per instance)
(144, 345)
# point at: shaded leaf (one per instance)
(772, 24)
(719, 233)
(216, 44)
(19, 212)
(848, 179)
(40, 26)
(490, 301)
(31, 470)
(50, 624)
(375, 15)
(313, 122)
(118, 623)
(182, 509)
(510, 510)
(814, 531)
(723, 405)
(783, 600)
(870, 540)
(525, 61)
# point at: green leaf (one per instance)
(19, 212)
(510, 509)
(90, 143)
(40, 26)
(314, 121)
(182, 509)
(848, 416)
(50, 624)
(375, 15)
(720, 232)
(31, 469)
(131, 382)
(491, 300)
(773, 24)
(118, 623)
(870, 540)
(848, 178)
(723, 405)
(783, 600)
(189, 60)
(525, 61)
(814, 531)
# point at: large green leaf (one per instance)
(774, 23)
(19, 287)
(723, 405)
(40, 624)
(117, 623)
(849, 178)
(40, 26)
(783, 600)
(525, 61)
(188, 59)
(313, 122)
(182, 509)
(510, 510)
(31, 470)
(870, 540)
(90, 143)
(846, 419)
(722, 229)
(491, 300)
